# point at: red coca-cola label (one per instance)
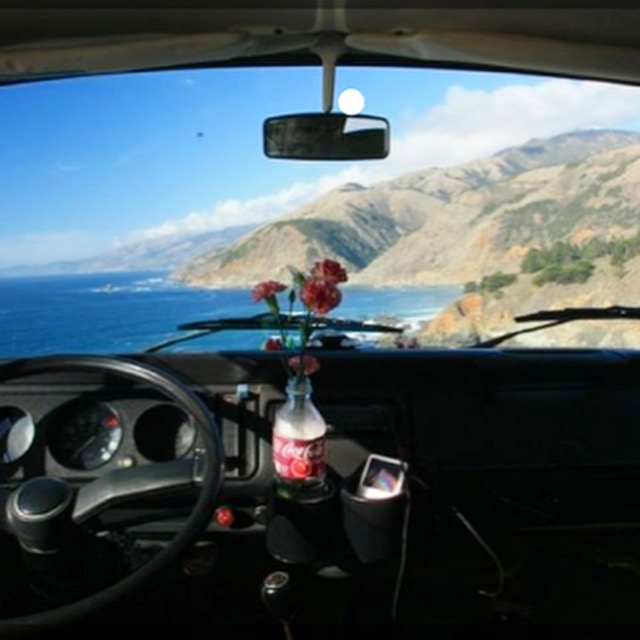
(299, 459)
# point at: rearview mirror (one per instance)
(326, 136)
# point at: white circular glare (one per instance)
(351, 102)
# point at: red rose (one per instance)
(266, 290)
(320, 296)
(330, 271)
(310, 364)
(272, 344)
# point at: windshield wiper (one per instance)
(556, 317)
(268, 321)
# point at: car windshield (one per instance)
(134, 203)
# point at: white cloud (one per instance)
(467, 124)
(471, 124)
(254, 210)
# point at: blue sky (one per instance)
(90, 163)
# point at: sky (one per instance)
(94, 163)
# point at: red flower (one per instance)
(330, 271)
(272, 344)
(318, 292)
(320, 296)
(266, 290)
(310, 364)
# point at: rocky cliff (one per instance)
(481, 316)
(448, 225)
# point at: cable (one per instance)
(403, 552)
(489, 550)
(479, 540)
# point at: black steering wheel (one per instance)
(205, 469)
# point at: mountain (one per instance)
(444, 225)
(490, 228)
(166, 252)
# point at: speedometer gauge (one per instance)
(85, 435)
(164, 432)
(17, 432)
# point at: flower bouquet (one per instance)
(299, 452)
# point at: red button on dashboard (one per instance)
(225, 516)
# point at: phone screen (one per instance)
(382, 477)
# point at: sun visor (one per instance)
(508, 51)
(68, 58)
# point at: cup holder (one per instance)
(373, 526)
(302, 531)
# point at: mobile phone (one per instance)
(382, 477)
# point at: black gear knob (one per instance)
(276, 595)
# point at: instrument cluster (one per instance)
(87, 433)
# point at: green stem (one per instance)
(274, 307)
(304, 338)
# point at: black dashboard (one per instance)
(539, 450)
(451, 414)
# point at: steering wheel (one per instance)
(118, 486)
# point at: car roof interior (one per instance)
(50, 42)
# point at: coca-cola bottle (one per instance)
(299, 451)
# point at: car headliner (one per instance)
(597, 43)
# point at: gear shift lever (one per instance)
(276, 595)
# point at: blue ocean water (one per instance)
(127, 312)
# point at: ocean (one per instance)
(128, 312)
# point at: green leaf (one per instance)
(298, 277)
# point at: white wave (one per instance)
(107, 288)
(147, 282)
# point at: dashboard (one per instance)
(539, 450)
(452, 414)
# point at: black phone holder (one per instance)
(373, 526)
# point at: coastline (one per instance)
(133, 310)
